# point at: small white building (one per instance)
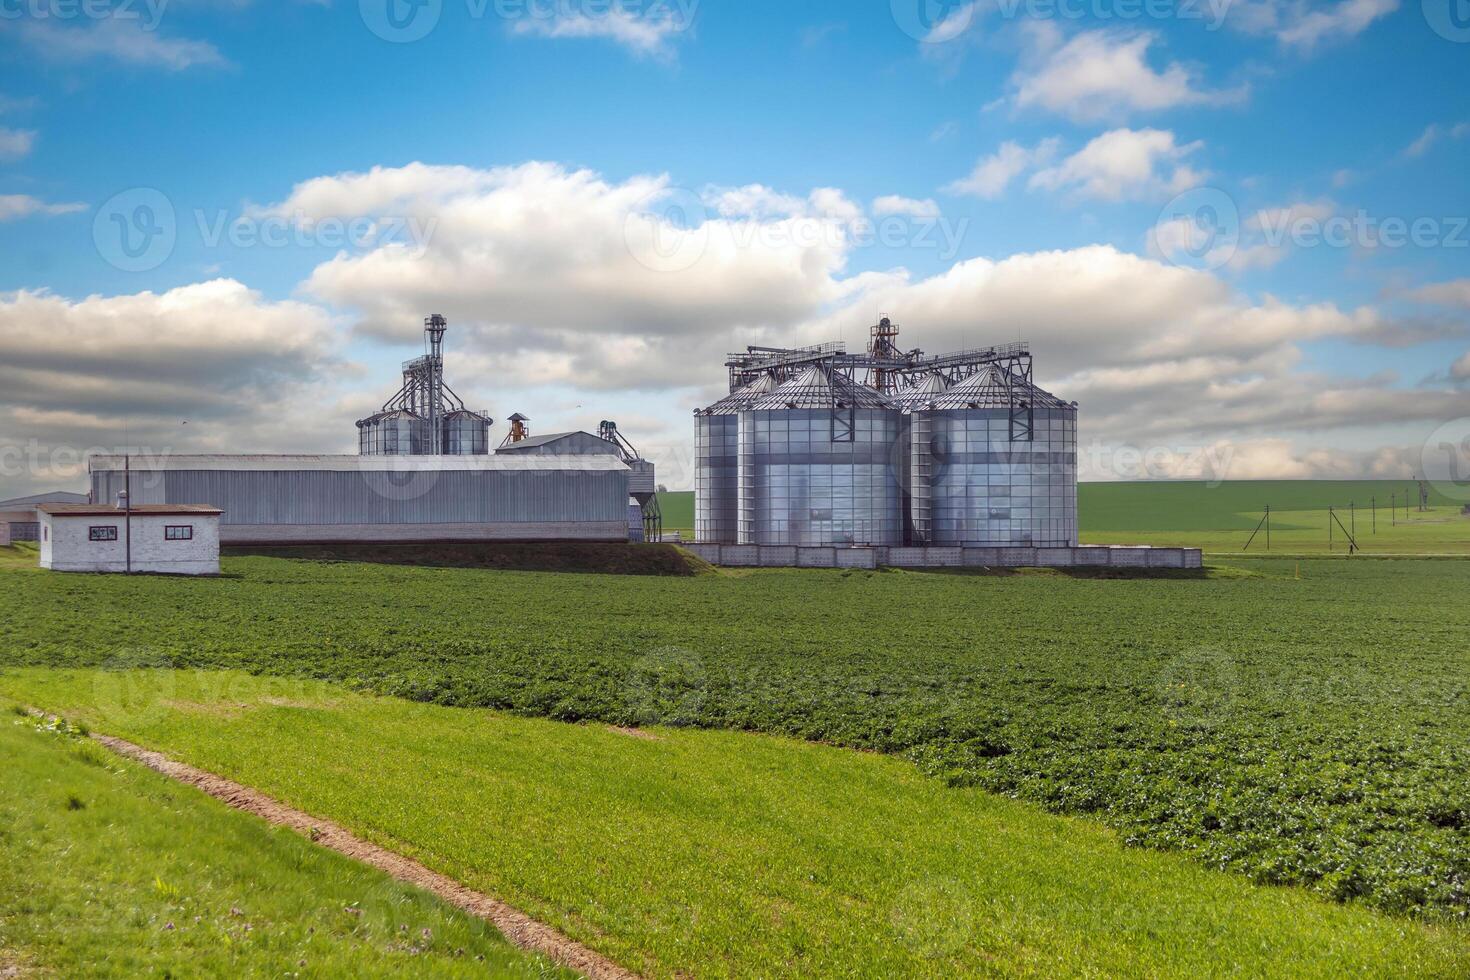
(169, 539)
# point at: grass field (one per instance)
(109, 870)
(1220, 518)
(694, 853)
(1307, 730)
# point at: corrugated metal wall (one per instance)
(314, 497)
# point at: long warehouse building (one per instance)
(339, 499)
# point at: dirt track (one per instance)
(519, 928)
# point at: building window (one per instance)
(184, 532)
(108, 533)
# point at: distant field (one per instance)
(110, 870)
(725, 854)
(1220, 518)
(1309, 730)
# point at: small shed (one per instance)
(167, 539)
(18, 519)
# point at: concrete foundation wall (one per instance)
(837, 557)
(421, 533)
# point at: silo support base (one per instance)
(797, 556)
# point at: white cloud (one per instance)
(646, 35)
(1302, 26)
(993, 174)
(1460, 370)
(16, 143)
(1104, 75)
(1124, 164)
(907, 206)
(1432, 134)
(16, 206)
(953, 25)
(245, 374)
(117, 39)
(1453, 293)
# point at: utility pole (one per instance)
(1373, 501)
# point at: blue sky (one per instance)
(1141, 190)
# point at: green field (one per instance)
(1220, 518)
(687, 853)
(1303, 730)
(110, 870)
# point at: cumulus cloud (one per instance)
(1432, 134)
(116, 39)
(994, 173)
(16, 206)
(1304, 27)
(1453, 293)
(905, 206)
(210, 367)
(647, 34)
(1104, 75)
(1124, 164)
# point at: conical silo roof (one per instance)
(814, 388)
(986, 388)
(921, 393)
(741, 398)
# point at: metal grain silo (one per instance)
(717, 463)
(981, 488)
(920, 453)
(466, 433)
(816, 464)
(395, 433)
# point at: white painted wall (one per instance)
(66, 544)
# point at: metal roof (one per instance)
(814, 388)
(143, 510)
(986, 388)
(54, 497)
(534, 442)
(921, 393)
(742, 398)
(362, 464)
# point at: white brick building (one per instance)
(171, 539)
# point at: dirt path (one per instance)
(519, 928)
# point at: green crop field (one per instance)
(1296, 722)
(110, 870)
(687, 853)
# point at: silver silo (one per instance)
(816, 465)
(717, 463)
(916, 402)
(466, 433)
(981, 488)
(394, 433)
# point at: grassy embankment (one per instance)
(110, 870)
(727, 854)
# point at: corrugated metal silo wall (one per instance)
(717, 479)
(986, 490)
(799, 486)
